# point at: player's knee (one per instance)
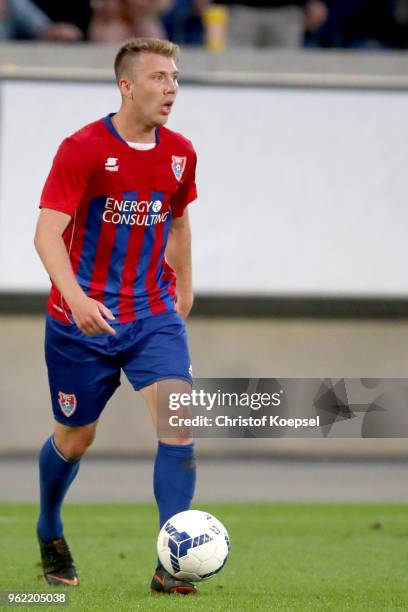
(77, 448)
(74, 444)
(73, 450)
(73, 453)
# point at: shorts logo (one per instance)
(67, 402)
(190, 369)
(178, 165)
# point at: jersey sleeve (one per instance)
(187, 191)
(71, 170)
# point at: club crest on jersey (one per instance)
(178, 165)
(67, 403)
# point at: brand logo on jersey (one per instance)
(134, 212)
(111, 164)
(178, 165)
(67, 403)
(190, 369)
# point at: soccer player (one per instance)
(113, 234)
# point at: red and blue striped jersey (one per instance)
(121, 201)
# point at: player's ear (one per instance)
(126, 88)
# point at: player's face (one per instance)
(154, 88)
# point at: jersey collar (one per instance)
(109, 124)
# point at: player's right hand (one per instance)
(90, 315)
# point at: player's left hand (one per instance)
(184, 304)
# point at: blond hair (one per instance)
(135, 46)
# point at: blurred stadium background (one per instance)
(298, 114)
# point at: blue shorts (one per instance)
(84, 371)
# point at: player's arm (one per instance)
(178, 254)
(88, 313)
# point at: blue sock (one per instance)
(174, 478)
(56, 475)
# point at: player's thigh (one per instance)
(81, 377)
(149, 395)
(170, 427)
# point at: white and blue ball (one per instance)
(193, 545)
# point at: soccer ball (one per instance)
(193, 545)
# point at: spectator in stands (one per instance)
(361, 24)
(272, 23)
(183, 22)
(22, 19)
(77, 12)
(315, 15)
(116, 20)
(111, 22)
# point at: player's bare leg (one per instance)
(158, 392)
(174, 472)
(59, 464)
(73, 442)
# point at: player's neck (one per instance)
(132, 130)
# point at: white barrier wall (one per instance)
(302, 192)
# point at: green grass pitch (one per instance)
(284, 557)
